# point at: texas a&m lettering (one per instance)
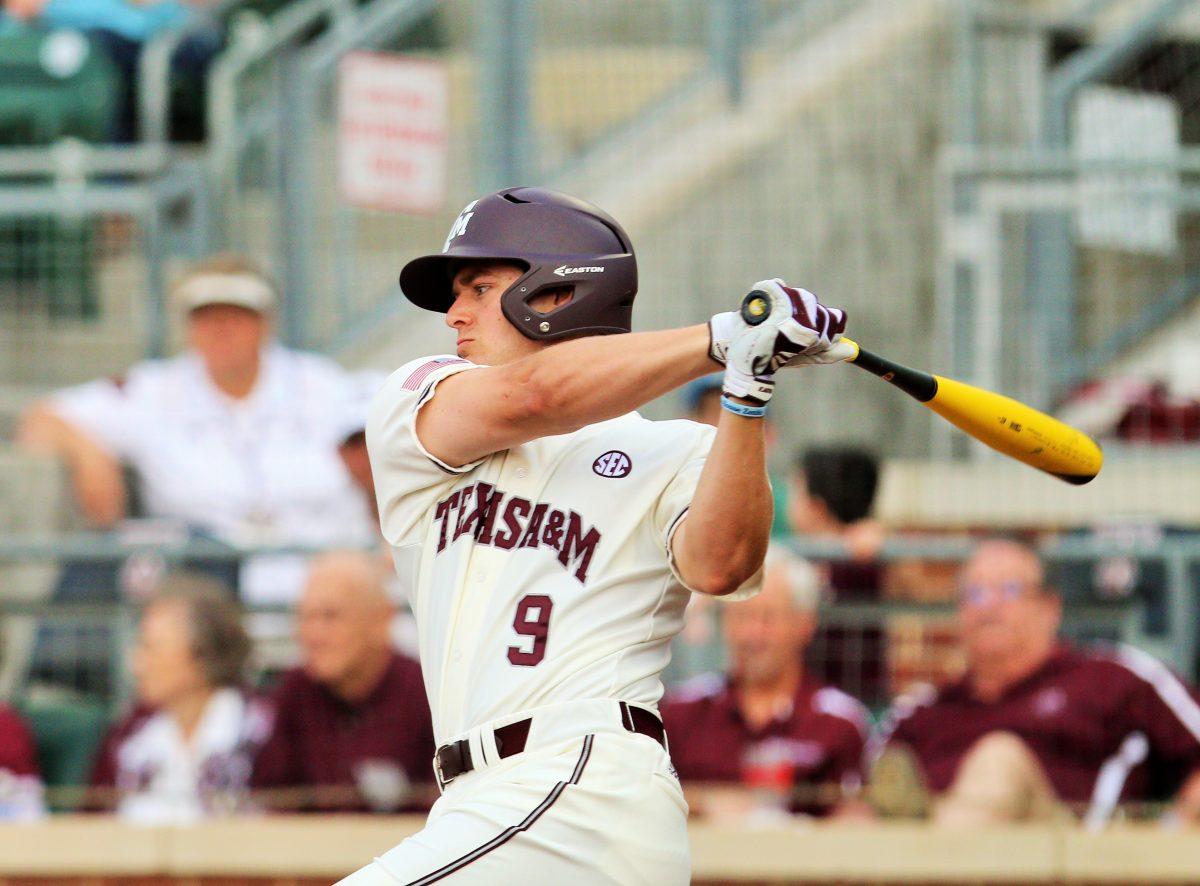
(493, 517)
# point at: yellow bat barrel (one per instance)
(1018, 431)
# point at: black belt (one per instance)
(454, 759)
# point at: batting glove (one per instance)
(803, 330)
(722, 328)
(815, 338)
(749, 347)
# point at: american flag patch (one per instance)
(414, 381)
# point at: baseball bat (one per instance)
(1005, 424)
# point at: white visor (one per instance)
(243, 290)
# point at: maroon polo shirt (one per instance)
(367, 750)
(17, 754)
(1077, 712)
(818, 739)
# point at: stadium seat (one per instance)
(67, 734)
(54, 85)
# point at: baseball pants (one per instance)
(600, 807)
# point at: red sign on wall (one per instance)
(393, 132)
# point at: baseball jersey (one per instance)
(1104, 725)
(542, 573)
(374, 749)
(819, 736)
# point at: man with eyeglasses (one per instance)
(1037, 729)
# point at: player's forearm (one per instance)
(591, 379)
(724, 537)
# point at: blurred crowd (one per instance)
(770, 711)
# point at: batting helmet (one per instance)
(560, 240)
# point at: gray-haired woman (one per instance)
(184, 751)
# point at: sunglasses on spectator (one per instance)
(982, 594)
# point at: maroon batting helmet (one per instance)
(560, 240)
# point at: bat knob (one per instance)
(755, 307)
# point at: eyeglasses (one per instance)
(983, 594)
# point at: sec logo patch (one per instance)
(613, 464)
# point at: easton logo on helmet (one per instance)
(613, 463)
(563, 270)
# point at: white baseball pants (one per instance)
(602, 806)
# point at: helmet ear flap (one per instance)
(601, 300)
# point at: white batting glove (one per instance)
(746, 350)
(722, 328)
(804, 330)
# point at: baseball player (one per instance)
(551, 536)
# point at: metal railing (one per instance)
(1158, 612)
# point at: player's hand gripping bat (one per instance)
(1006, 425)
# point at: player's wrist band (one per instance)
(742, 409)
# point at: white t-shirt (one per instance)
(539, 574)
(259, 471)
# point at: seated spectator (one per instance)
(833, 492)
(238, 437)
(1037, 727)
(184, 751)
(351, 729)
(769, 725)
(20, 779)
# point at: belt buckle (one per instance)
(437, 769)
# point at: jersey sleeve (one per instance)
(101, 409)
(1164, 710)
(407, 476)
(673, 504)
(848, 738)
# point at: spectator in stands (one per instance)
(238, 437)
(352, 728)
(20, 779)
(832, 495)
(184, 751)
(1037, 727)
(20, 775)
(769, 725)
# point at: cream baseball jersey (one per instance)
(542, 573)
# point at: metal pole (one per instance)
(726, 34)
(1051, 270)
(1181, 601)
(156, 287)
(506, 45)
(298, 118)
